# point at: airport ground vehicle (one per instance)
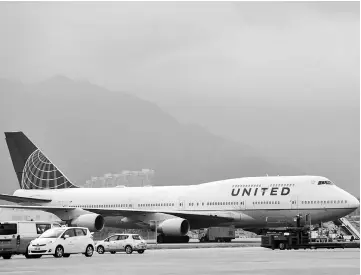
(15, 236)
(296, 238)
(63, 241)
(122, 242)
(217, 234)
(300, 237)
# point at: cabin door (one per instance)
(294, 202)
(242, 204)
(181, 203)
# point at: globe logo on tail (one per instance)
(40, 173)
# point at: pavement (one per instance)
(237, 240)
(194, 243)
(235, 260)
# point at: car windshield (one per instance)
(137, 237)
(52, 233)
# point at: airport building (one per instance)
(143, 177)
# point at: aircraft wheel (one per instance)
(160, 239)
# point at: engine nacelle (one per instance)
(174, 227)
(94, 222)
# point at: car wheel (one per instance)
(282, 246)
(100, 249)
(59, 251)
(7, 256)
(66, 255)
(27, 256)
(89, 251)
(141, 251)
(112, 252)
(202, 240)
(128, 249)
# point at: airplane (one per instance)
(250, 203)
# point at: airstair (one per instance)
(347, 226)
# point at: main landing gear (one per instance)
(161, 238)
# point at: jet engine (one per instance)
(174, 227)
(94, 222)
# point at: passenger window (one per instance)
(113, 238)
(70, 233)
(79, 232)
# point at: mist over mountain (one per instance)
(87, 130)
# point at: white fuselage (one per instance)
(252, 202)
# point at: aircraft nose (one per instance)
(353, 202)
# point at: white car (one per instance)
(122, 242)
(63, 241)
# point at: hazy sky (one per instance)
(281, 77)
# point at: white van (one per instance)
(15, 236)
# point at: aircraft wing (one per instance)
(18, 199)
(189, 215)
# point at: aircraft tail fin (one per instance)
(33, 169)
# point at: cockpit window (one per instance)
(325, 182)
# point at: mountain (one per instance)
(87, 130)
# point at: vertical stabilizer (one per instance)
(33, 169)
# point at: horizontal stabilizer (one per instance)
(17, 199)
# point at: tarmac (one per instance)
(194, 243)
(228, 260)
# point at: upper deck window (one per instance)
(325, 182)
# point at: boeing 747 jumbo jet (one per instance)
(252, 203)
